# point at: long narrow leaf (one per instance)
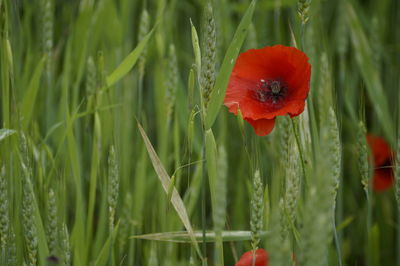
(31, 93)
(183, 237)
(129, 62)
(165, 180)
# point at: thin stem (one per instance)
(339, 207)
(337, 240)
(203, 187)
(245, 145)
(204, 177)
(203, 202)
(369, 222)
(302, 31)
(398, 236)
(140, 95)
(111, 259)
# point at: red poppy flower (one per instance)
(247, 258)
(382, 158)
(268, 82)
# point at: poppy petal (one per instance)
(300, 78)
(262, 127)
(252, 64)
(254, 74)
(381, 151)
(383, 179)
(247, 258)
(382, 156)
(287, 63)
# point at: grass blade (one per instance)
(129, 62)
(31, 93)
(165, 180)
(183, 237)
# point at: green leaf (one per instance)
(218, 93)
(183, 237)
(129, 62)
(30, 96)
(4, 133)
(78, 230)
(165, 180)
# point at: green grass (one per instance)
(110, 154)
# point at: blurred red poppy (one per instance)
(247, 258)
(268, 82)
(382, 158)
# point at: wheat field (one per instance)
(117, 146)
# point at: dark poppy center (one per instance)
(270, 91)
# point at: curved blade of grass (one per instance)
(129, 62)
(183, 237)
(165, 180)
(31, 93)
(369, 72)
(218, 93)
(4, 133)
